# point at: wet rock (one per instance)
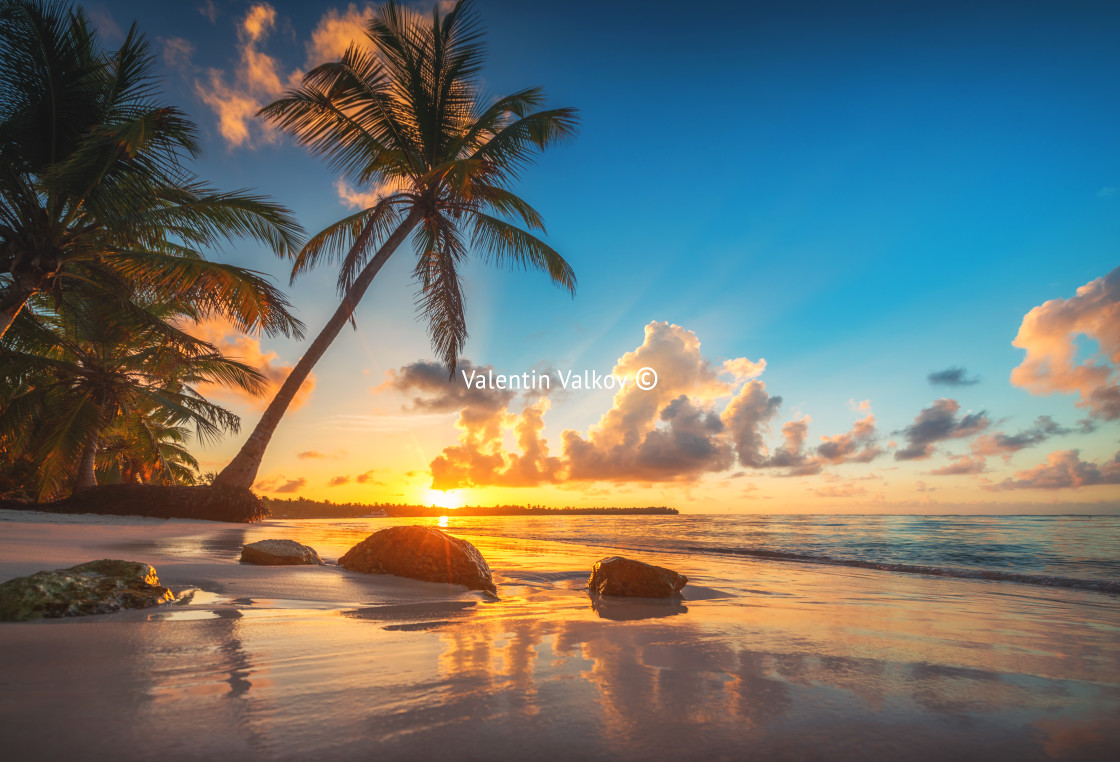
(423, 553)
(624, 576)
(278, 553)
(95, 587)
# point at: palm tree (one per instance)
(89, 377)
(93, 192)
(410, 113)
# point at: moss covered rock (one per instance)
(95, 587)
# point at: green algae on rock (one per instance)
(95, 587)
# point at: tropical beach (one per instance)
(480, 379)
(778, 659)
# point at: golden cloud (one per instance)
(1049, 335)
(247, 349)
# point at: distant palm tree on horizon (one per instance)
(410, 113)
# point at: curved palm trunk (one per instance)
(242, 470)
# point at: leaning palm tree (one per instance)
(94, 195)
(409, 114)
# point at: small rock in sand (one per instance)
(278, 553)
(423, 553)
(624, 576)
(95, 587)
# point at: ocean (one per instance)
(1080, 552)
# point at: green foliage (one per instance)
(94, 194)
(124, 384)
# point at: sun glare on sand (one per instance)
(450, 499)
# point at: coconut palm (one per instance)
(409, 114)
(88, 376)
(93, 192)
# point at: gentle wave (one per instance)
(1104, 586)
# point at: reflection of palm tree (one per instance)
(410, 113)
(83, 379)
(93, 193)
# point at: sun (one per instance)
(451, 499)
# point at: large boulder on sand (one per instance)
(278, 553)
(624, 576)
(96, 587)
(423, 553)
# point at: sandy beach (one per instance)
(763, 660)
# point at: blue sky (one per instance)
(860, 193)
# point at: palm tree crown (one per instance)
(408, 112)
(93, 192)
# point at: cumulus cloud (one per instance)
(279, 485)
(937, 423)
(338, 481)
(1063, 469)
(367, 478)
(247, 349)
(952, 377)
(1049, 334)
(702, 417)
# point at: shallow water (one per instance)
(764, 659)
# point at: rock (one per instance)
(278, 553)
(96, 587)
(423, 553)
(623, 576)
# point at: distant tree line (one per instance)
(304, 508)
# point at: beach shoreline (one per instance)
(762, 658)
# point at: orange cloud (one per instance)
(246, 349)
(337, 31)
(1049, 335)
(254, 82)
(1063, 469)
(673, 432)
(960, 466)
(280, 485)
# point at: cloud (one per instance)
(432, 390)
(999, 443)
(254, 82)
(238, 346)
(367, 478)
(310, 455)
(937, 423)
(279, 485)
(701, 418)
(352, 198)
(952, 377)
(177, 53)
(1063, 469)
(335, 32)
(962, 465)
(209, 11)
(1049, 335)
(338, 481)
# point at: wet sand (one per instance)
(762, 660)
